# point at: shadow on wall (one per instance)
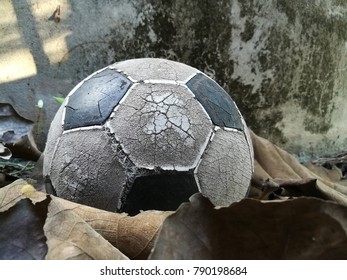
(26, 75)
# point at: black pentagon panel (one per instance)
(49, 186)
(160, 192)
(93, 102)
(216, 101)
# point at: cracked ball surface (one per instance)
(146, 134)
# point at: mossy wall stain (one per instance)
(194, 32)
(304, 62)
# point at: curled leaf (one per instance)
(5, 153)
(274, 164)
(13, 126)
(35, 225)
(70, 237)
(22, 235)
(134, 236)
(11, 194)
(16, 133)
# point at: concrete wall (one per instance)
(283, 62)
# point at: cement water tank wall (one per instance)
(283, 62)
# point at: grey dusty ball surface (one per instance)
(147, 134)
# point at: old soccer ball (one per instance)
(147, 134)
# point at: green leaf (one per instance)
(60, 100)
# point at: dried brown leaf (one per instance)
(133, 236)
(137, 234)
(22, 235)
(334, 174)
(26, 225)
(70, 237)
(11, 194)
(16, 133)
(21, 223)
(271, 162)
(303, 228)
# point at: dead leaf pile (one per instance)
(69, 230)
(294, 211)
(304, 228)
(276, 169)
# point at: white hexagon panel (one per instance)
(147, 134)
(166, 126)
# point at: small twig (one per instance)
(342, 157)
(24, 168)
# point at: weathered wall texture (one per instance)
(283, 62)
